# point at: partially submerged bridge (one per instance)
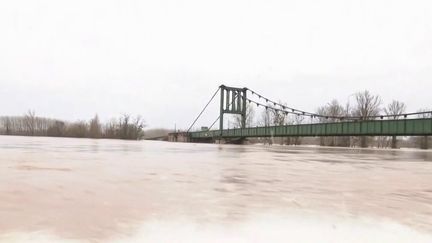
(234, 101)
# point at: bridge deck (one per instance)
(403, 127)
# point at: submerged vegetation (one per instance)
(124, 127)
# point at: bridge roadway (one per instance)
(402, 127)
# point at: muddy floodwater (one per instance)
(83, 190)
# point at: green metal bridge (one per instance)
(403, 127)
(234, 101)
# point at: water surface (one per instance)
(61, 189)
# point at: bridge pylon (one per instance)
(232, 101)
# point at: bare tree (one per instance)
(126, 127)
(7, 125)
(131, 128)
(111, 129)
(367, 105)
(57, 129)
(334, 109)
(77, 129)
(95, 129)
(395, 109)
(266, 121)
(265, 118)
(330, 111)
(137, 128)
(30, 121)
(277, 117)
(250, 116)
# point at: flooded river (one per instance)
(82, 190)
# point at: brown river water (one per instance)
(83, 190)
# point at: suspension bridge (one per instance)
(234, 100)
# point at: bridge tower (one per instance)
(232, 101)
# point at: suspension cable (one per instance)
(289, 110)
(284, 107)
(214, 122)
(296, 112)
(202, 111)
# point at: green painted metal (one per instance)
(403, 127)
(232, 101)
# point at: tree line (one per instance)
(366, 106)
(124, 127)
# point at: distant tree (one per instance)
(367, 105)
(57, 129)
(395, 109)
(265, 121)
(77, 129)
(30, 122)
(335, 109)
(111, 129)
(330, 111)
(131, 128)
(95, 129)
(250, 116)
(277, 117)
(137, 128)
(265, 118)
(7, 125)
(126, 127)
(272, 117)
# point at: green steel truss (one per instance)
(402, 127)
(232, 101)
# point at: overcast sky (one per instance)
(164, 59)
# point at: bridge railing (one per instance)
(402, 127)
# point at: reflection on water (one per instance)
(58, 189)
